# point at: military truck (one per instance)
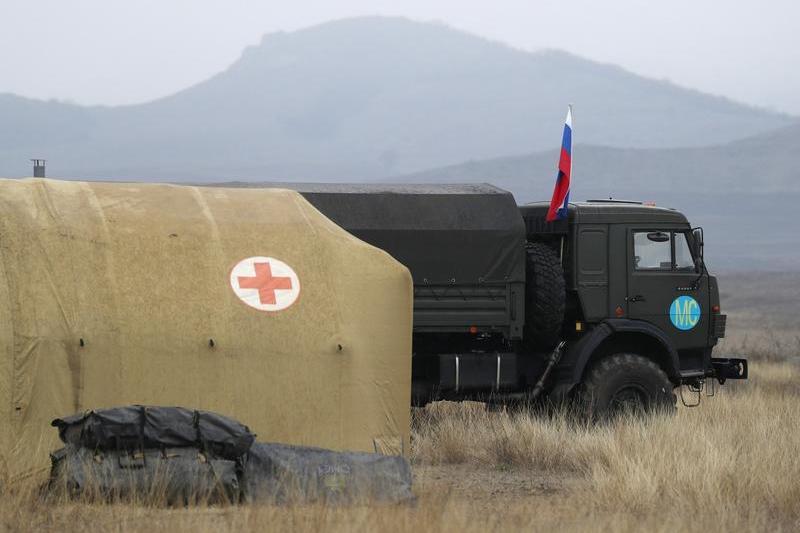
(612, 306)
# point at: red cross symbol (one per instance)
(265, 282)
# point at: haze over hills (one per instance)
(744, 193)
(765, 163)
(364, 99)
(377, 99)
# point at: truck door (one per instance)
(665, 285)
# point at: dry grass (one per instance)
(737, 456)
(763, 314)
(733, 463)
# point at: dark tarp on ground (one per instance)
(174, 476)
(460, 234)
(182, 455)
(285, 474)
(139, 426)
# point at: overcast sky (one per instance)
(113, 51)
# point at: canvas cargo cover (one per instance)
(115, 294)
(455, 234)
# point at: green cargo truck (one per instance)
(612, 306)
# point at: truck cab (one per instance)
(636, 280)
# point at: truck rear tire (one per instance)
(546, 297)
(626, 383)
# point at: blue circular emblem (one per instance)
(684, 312)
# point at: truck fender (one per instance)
(579, 354)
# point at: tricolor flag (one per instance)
(560, 201)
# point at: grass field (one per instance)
(732, 463)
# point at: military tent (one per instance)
(245, 302)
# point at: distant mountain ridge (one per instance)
(744, 193)
(363, 99)
(765, 163)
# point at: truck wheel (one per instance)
(626, 383)
(546, 297)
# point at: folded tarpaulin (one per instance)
(140, 427)
(174, 455)
(171, 476)
(278, 473)
(268, 473)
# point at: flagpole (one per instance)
(572, 150)
(572, 154)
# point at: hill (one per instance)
(766, 163)
(742, 192)
(366, 98)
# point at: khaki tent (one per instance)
(247, 302)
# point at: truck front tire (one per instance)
(626, 383)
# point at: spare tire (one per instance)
(545, 297)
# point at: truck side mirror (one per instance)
(697, 236)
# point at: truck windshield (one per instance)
(683, 254)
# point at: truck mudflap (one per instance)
(729, 368)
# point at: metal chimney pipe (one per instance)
(38, 168)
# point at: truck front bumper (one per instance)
(729, 368)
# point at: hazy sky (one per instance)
(111, 51)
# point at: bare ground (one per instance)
(484, 486)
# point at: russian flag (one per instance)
(560, 200)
